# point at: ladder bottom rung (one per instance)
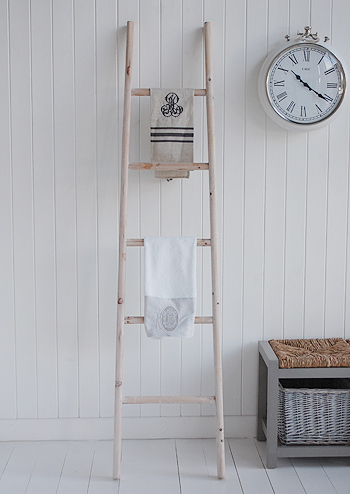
(140, 400)
(141, 320)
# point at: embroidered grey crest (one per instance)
(171, 109)
(169, 318)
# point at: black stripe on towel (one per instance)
(172, 128)
(172, 134)
(168, 140)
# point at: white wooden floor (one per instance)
(182, 466)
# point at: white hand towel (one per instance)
(172, 125)
(170, 286)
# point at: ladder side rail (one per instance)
(220, 445)
(122, 253)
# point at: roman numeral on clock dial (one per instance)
(306, 56)
(293, 58)
(282, 96)
(290, 107)
(328, 98)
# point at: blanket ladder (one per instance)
(217, 399)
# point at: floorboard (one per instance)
(151, 465)
(284, 478)
(18, 472)
(338, 472)
(250, 468)
(312, 476)
(77, 468)
(48, 468)
(101, 481)
(194, 475)
(230, 484)
(181, 466)
(6, 450)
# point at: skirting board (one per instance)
(133, 428)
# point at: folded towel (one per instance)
(172, 125)
(170, 286)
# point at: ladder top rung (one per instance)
(168, 166)
(146, 92)
(141, 319)
(139, 400)
(139, 242)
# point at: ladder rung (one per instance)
(146, 92)
(141, 319)
(141, 400)
(169, 166)
(139, 242)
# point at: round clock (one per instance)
(303, 86)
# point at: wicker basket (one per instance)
(314, 411)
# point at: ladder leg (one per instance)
(220, 445)
(122, 256)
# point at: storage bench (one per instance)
(279, 427)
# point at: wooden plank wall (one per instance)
(283, 203)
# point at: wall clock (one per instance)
(303, 86)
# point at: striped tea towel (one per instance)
(170, 286)
(172, 125)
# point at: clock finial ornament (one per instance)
(307, 35)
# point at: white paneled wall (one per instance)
(283, 210)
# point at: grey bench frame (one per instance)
(269, 375)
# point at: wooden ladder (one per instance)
(212, 243)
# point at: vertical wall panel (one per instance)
(233, 183)
(44, 212)
(171, 76)
(7, 310)
(315, 249)
(85, 140)
(338, 197)
(275, 189)
(192, 76)
(215, 14)
(130, 11)
(254, 198)
(107, 196)
(296, 185)
(65, 196)
(149, 186)
(86, 152)
(316, 208)
(23, 248)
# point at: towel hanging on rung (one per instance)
(170, 286)
(172, 125)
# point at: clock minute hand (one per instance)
(306, 85)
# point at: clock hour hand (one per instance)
(306, 85)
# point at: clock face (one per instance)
(305, 84)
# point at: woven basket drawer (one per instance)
(314, 411)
